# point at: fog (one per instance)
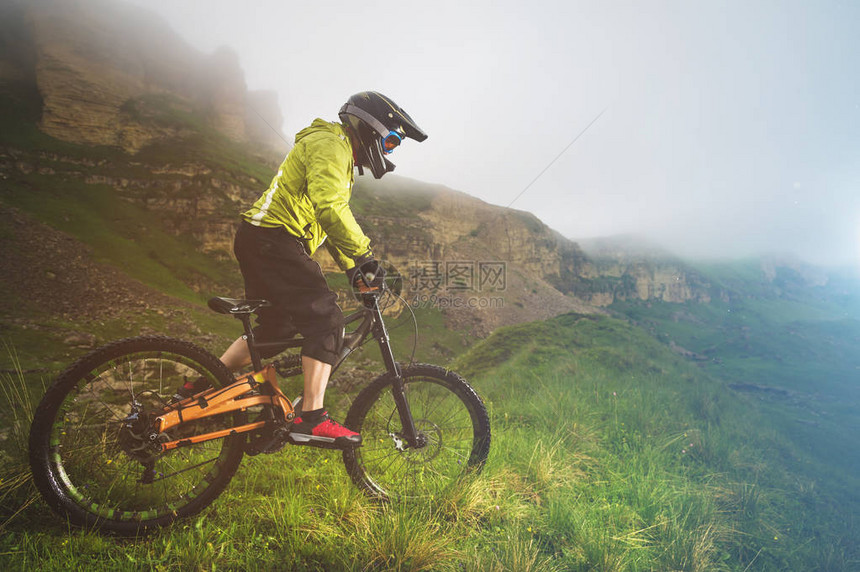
(728, 128)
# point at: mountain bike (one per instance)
(110, 449)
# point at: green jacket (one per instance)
(310, 194)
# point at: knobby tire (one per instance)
(449, 415)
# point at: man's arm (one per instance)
(329, 180)
(343, 261)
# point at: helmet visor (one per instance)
(390, 142)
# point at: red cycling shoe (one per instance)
(323, 432)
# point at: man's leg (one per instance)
(314, 426)
(237, 355)
(316, 372)
(316, 379)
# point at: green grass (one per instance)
(609, 453)
(710, 478)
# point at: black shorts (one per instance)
(276, 267)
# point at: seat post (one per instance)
(256, 360)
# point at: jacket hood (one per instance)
(323, 126)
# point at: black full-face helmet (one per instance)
(378, 126)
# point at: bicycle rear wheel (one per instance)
(451, 420)
(90, 453)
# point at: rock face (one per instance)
(485, 266)
(618, 269)
(103, 70)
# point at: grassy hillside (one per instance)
(609, 452)
(81, 260)
(121, 232)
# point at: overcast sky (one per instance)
(730, 127)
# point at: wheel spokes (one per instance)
(96, 451)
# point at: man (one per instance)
(306, 205)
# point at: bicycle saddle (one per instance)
(236, 305)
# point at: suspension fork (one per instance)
(380, 332)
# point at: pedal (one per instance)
(309, 441)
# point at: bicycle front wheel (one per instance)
(453, 427)
(90, 451)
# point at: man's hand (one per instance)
(366, 275)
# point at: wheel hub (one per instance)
(428, 441)
(136, 437)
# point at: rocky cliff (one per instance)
(99, 67)
(485, 266)
(628, 268)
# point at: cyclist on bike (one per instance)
(305, 206)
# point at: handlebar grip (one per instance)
(365, 289)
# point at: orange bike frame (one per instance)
(216, 401)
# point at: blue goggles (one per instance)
(391, 141)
